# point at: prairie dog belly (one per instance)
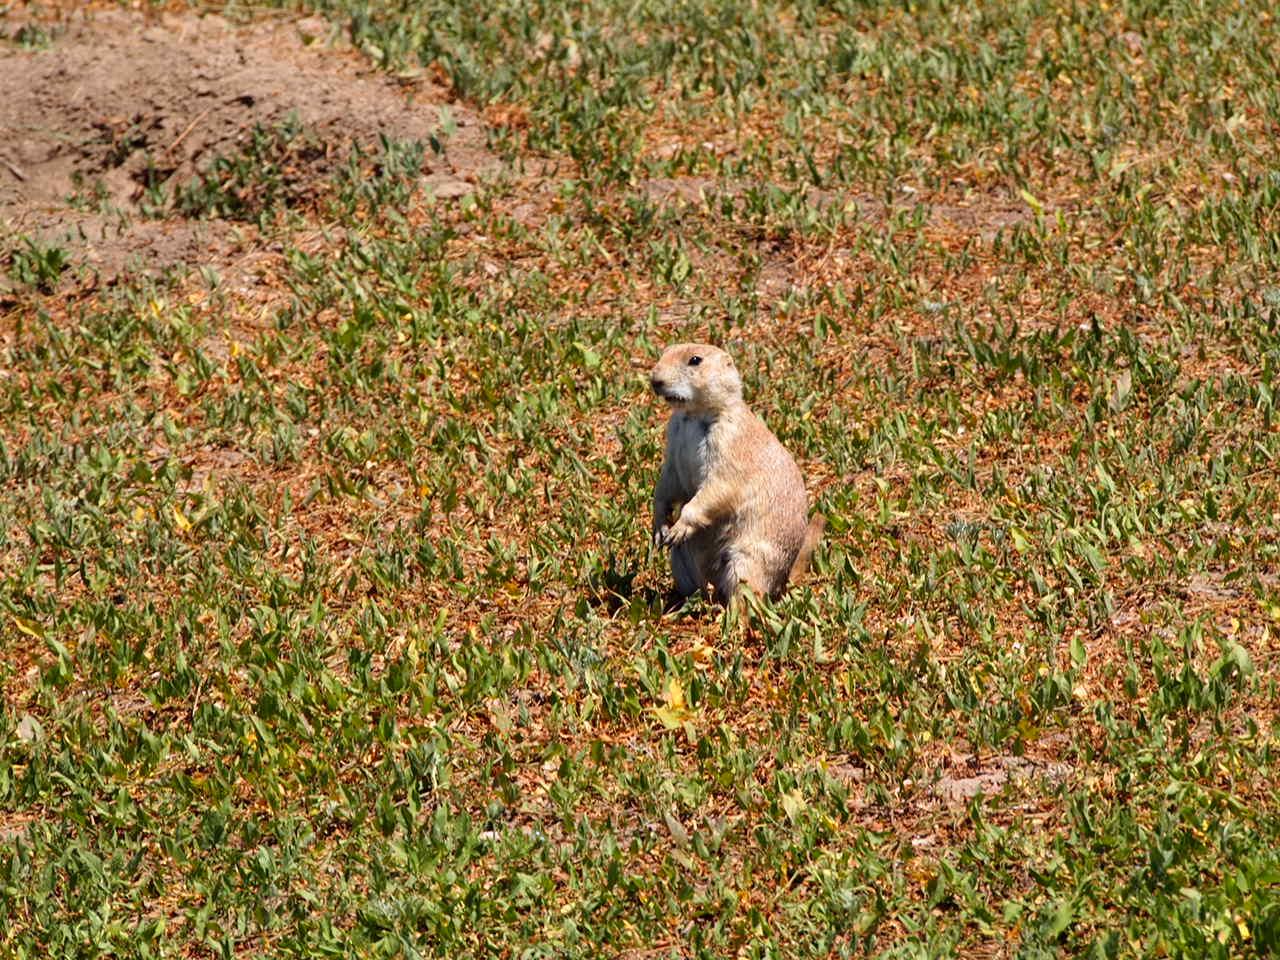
(690, 452)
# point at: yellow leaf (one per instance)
(29, 627)
(702, 653)
(793, 803)
(674, 712)
(671, 719)
(673, 694)
(182, 522)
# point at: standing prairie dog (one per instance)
(742, 513)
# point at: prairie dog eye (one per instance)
(695, 360)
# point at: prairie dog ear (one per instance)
(728, 360)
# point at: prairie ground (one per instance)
(329, 620)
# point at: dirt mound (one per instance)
(112, 114)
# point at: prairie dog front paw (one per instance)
(663, 522)
(678, 533)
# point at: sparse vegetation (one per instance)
(271, 171)
(329, 617)
(38, 265)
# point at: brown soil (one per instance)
(117, 102)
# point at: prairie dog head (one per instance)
(697, 378)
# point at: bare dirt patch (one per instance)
(99, 126)
(973, 776)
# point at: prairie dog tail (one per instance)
(812, 535)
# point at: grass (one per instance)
(329, 621)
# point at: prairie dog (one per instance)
(741, 500)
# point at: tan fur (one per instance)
(740, 496)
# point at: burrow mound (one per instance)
(111, 114)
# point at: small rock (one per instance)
(1133, 41)
(449, 189)
(312, 29)
(29, 729)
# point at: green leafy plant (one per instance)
(271, 170)
(39, 265)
